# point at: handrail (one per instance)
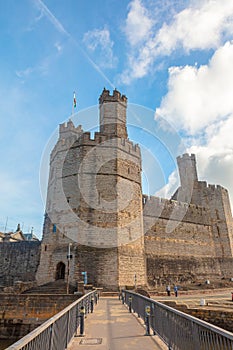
(177, 329)
(56, 332)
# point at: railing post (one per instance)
(92, 304)
(67, 327)
(153, 318)
(86, 306)
(51, 336)
(130, 304)
(147, 319)
(123, 297)
(82, 314)
(76, 320)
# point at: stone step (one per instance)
(56, 287)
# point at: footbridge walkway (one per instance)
(132, 322)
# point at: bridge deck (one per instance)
(113, 326)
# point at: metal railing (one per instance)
(57, 332)
(177, 329)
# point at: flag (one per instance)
(74, 101)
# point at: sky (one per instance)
(173, 59)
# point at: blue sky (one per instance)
(173, 59)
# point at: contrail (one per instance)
(59, 27)
(44, 9)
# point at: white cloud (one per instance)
(99, 41)
(138, 23)
(200, 96)
(199, 102)
(201, 26)
(58, 46)
(41, 68)
(169, 189)
(215, 157)
(197, 27)
(24, 73)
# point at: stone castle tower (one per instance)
(96, 213)
(94, 203)
(214, 198)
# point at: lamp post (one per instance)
(69, 256)
(135, 281)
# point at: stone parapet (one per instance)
(174, 210)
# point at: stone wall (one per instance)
(101, 266)
(186, 239)
(18, 262)
(20, 314)
(33, 306)
(163, 270)
(173, 210)
(179, 242)
(219, 317)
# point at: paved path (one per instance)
(116, 328)
(213, 300)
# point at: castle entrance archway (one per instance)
(60, 271)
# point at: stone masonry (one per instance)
(98, 221)
(94, 203)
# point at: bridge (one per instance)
(127, 323)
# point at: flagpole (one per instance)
(72, 111)
(73, 104)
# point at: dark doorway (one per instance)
(60, 271)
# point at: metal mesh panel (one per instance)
(56, 333)
(179, 330)
(42, 342)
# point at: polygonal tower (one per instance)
(188, 177)
(94, 203)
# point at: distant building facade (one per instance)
(17, 236)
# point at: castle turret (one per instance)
(113, 114)
(214, 198)
(188, 178)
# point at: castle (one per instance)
(99, 223)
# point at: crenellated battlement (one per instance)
(170, 209)
(115, 97)
(99, 138)
(186, 156)
(209, 188)
(80, 138)
(67, 129)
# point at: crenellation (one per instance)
(161, 207)
(131, 148)
(68, 129)
(211, 187)
(115, 97)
